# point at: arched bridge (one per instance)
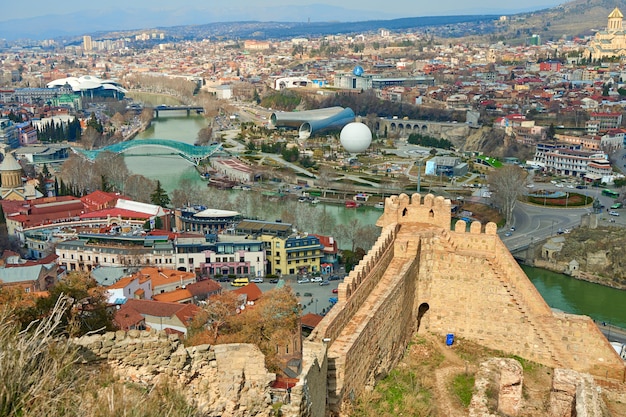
(193, 154)
(404, 127)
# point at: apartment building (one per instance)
(235, 255)
(566, 160)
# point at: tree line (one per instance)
(59, 132)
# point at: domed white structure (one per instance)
(355, 137)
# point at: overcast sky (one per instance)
(401, 8)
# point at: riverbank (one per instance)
(562, 268)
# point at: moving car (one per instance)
(613, 213)
(303, 280)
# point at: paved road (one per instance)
(535, 223)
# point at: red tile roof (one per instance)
(115, 212)
(159, 309)
(311, 320)
(99, 200)
(252, 291)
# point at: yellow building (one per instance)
(292, 255)
(611, 41)
(286, 252)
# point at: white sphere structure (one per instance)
(355, 137)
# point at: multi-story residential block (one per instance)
(92, 250)
(286, 251)
(566, 160)
(9, 134)
(235, 255)
(293, 255)
(606, 120)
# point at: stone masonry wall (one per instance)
(229, 380)
(469, 284)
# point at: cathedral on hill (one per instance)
(611, 41)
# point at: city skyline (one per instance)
(375, 9)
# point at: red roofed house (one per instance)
(40, 211)
(135, 286)
(251, 293)
(99, 200)
(147, 314)
(194, 293)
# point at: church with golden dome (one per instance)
(611, 41)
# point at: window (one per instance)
(191, 261)
(181, 260)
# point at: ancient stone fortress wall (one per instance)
(229, 380)
(420, 272)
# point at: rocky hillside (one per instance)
(575, 18)
(600, 252)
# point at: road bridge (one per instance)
(191, 153)
(197, 109)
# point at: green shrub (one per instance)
(462, 387)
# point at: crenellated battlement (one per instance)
(402, 209)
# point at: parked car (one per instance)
(316, 279)
(308, 294)
(274, 281)
(613, 213)
(303, 281)
(257, 280)
(333, 278)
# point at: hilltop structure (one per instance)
(423, 275)
(611, 41)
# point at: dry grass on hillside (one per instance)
(422, 383)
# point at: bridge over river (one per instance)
(191, 153)
(188, 109)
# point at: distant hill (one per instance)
(576, 18)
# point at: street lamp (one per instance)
(419, 173)
(316, 306)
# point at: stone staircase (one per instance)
(533, 315)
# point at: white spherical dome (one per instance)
(355, 137)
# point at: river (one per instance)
(560, 291)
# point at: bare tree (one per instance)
(113, 168)
(205, 136)
(507, 185)
(139, 188)
(348, 233)
(90, 137)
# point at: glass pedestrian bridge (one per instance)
(193, 154)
